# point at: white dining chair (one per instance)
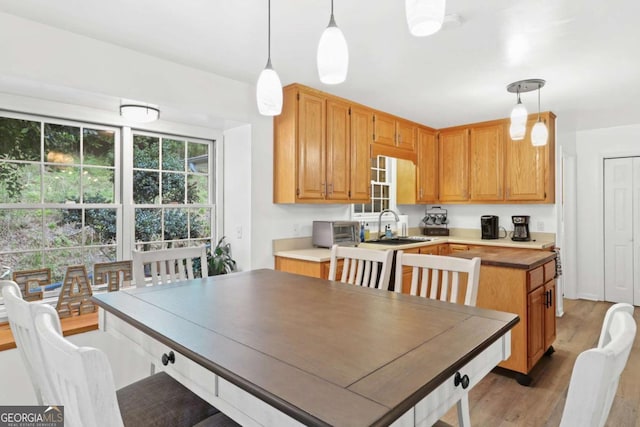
(168, 265)
(438, 277)
(82, 381)
(596, 372)
(370, 268)
(24, 334)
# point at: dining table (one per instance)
(274, 348)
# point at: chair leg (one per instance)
(463, 411)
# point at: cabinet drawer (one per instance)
(549, 270)
(439, 401)
(535, 278)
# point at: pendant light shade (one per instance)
(333, 54)
(518, 127)
(539, 134)
(425, 17)
(269, 87)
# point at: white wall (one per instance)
(592, 147)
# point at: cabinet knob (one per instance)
(168, 358)
(462, 380)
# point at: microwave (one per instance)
(328, 233)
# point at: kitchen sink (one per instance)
(400, 240)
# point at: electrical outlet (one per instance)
(239, 232)
(540, 225)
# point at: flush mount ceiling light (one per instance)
(333, 54)
(519, 115)
(269, 87)
(425, 17)
(139, 113)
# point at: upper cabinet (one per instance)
(453, 154)
(486, 171)
(323, 146)
(319, 156)
(529, 170)
(394, 137)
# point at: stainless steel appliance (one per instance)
(327, 233)
(520, 228)
(490, 226)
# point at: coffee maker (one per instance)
(520, 228)
(489, 226)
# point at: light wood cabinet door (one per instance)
(453, 147)
(338, 150)
(405, 135)
(430, 250)
(312, 124)
(535, 325)
(456, 247)
(486, 153)
(427, 185)
(550, 314)
(384, 129)
(361, 138)
(529, 170)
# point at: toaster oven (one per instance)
(328, 233)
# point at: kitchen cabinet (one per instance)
(486, 153)
(307, 268)
(427, 167)
(393, 137)
(319, 149)
(418, 183)
(453, 155)
(529, 170)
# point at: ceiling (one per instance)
(586, 50)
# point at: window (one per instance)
(382, 189)
(171, 191)
(58, 194)
(65, 198)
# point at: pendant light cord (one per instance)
(538, 102)
(331, 7)
(269, 32)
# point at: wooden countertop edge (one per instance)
(70, 326)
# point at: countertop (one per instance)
(525, 259)
(302, 249)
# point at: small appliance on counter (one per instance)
(490, 226)
(520, 228)
(435, 222)
(327, 233)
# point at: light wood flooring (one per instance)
(499, 401)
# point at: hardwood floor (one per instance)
(499, 401)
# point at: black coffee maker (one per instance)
(520, 228)
(489, 226)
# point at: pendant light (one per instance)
(269, 87)
(333, 54)
(539, 133)
(518, 127)
(425, 17)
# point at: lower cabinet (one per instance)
(306, 268)
(531, 295)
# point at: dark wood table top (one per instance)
(325, 353)
(525, 259)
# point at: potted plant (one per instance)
(219, 259)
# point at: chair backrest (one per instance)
(605, 335)
(438, 277)
(80, 377)
(24, 334)
(168, 265)
(363, 267)
(596, 373)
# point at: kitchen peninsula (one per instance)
(516, 277)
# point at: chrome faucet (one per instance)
(380, 233)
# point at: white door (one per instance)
(618, 230)
(636, 231)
